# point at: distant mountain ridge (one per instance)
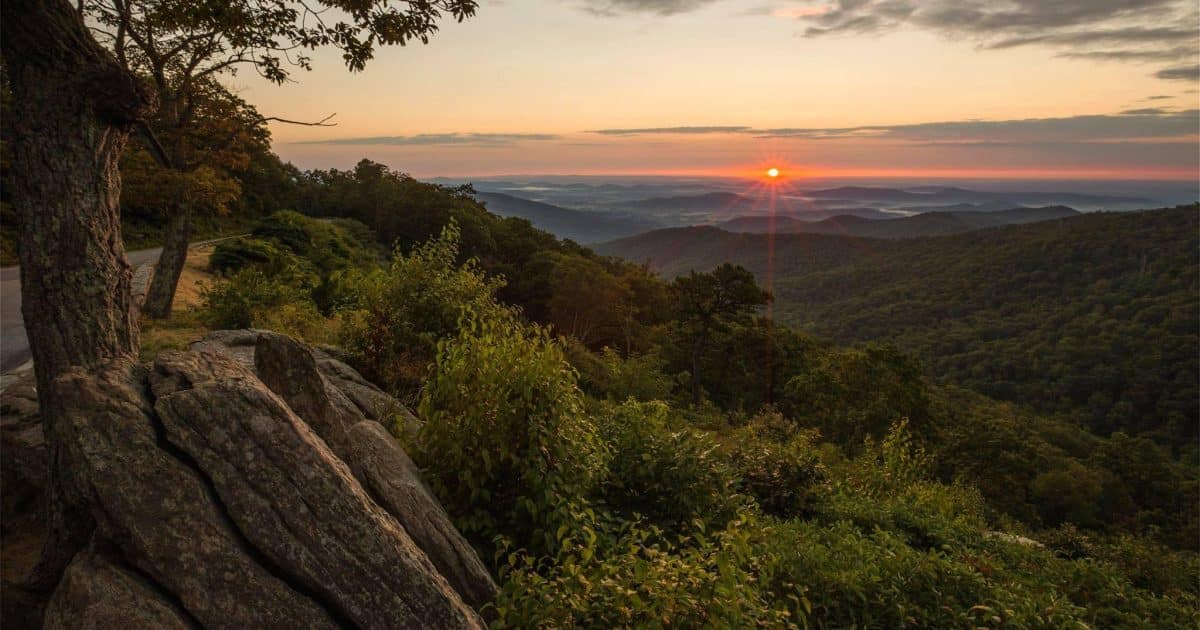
(581, 226)
(924, 224)
(950, 194)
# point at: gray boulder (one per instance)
(96, 594)
(296, 502)
(156, 505)
(291, 370)
(373, 402)
(223, 502)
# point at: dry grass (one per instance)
(184, 325)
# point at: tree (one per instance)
(74, 105)
(706, 302)
(182, 49)
(72, 110)
(584, 299)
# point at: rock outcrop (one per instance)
(23, 445)
(96, 594)
(291, 370)
(241, 485)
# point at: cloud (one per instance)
(1103, 30)
(442, 139)
(1144, 123)
(670, 130)
(1148, 124)
(609, 8)
(1180, 73)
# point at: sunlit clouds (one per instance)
(1081, 88)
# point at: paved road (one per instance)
(14, 346)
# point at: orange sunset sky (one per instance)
(972, 88)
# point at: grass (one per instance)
(184, 325)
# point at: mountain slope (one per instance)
(925, 224)
(578, 225)
(940, 195)
(1093, 315)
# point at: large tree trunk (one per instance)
(161, 294)
(72, 107)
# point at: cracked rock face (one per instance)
(23, 444)
(96, 594)
(223, 499)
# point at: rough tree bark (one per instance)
(72, 109)
(161, 294)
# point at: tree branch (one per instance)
(155, 147)
(324, 122)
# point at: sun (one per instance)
(772, 173)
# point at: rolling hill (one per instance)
(578, 225)
(923, 197)
(925, 224)
(716, 206)
(1093, 316)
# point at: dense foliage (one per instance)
(809, 486)
(1093, 316)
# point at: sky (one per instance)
(945, 88)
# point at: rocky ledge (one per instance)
(247, 482)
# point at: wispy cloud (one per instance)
(1100, 30)
(1180, 73)
(443, 139)
(645, 131)
(610, 8)
(1141, 123)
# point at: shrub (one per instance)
(398, 315)
(252, 299)
(777, 465)
(235, 254)
(506, 443)
(1068, 494)
(888, 486)
(327, 245)
(669, 473)
(642, 584)
(609, 375)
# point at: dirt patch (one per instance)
(194, 278)
(184, 325)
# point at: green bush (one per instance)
(398, 314)
(506, 444)
(235, 254)
(252, 299)
(711, 583)
(777, 465)
(667, 472)
(611, 376)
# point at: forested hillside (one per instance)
(924, 224)
(809, 486)
(631, 448)
(1092, 316)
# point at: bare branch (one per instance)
(324, 122)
